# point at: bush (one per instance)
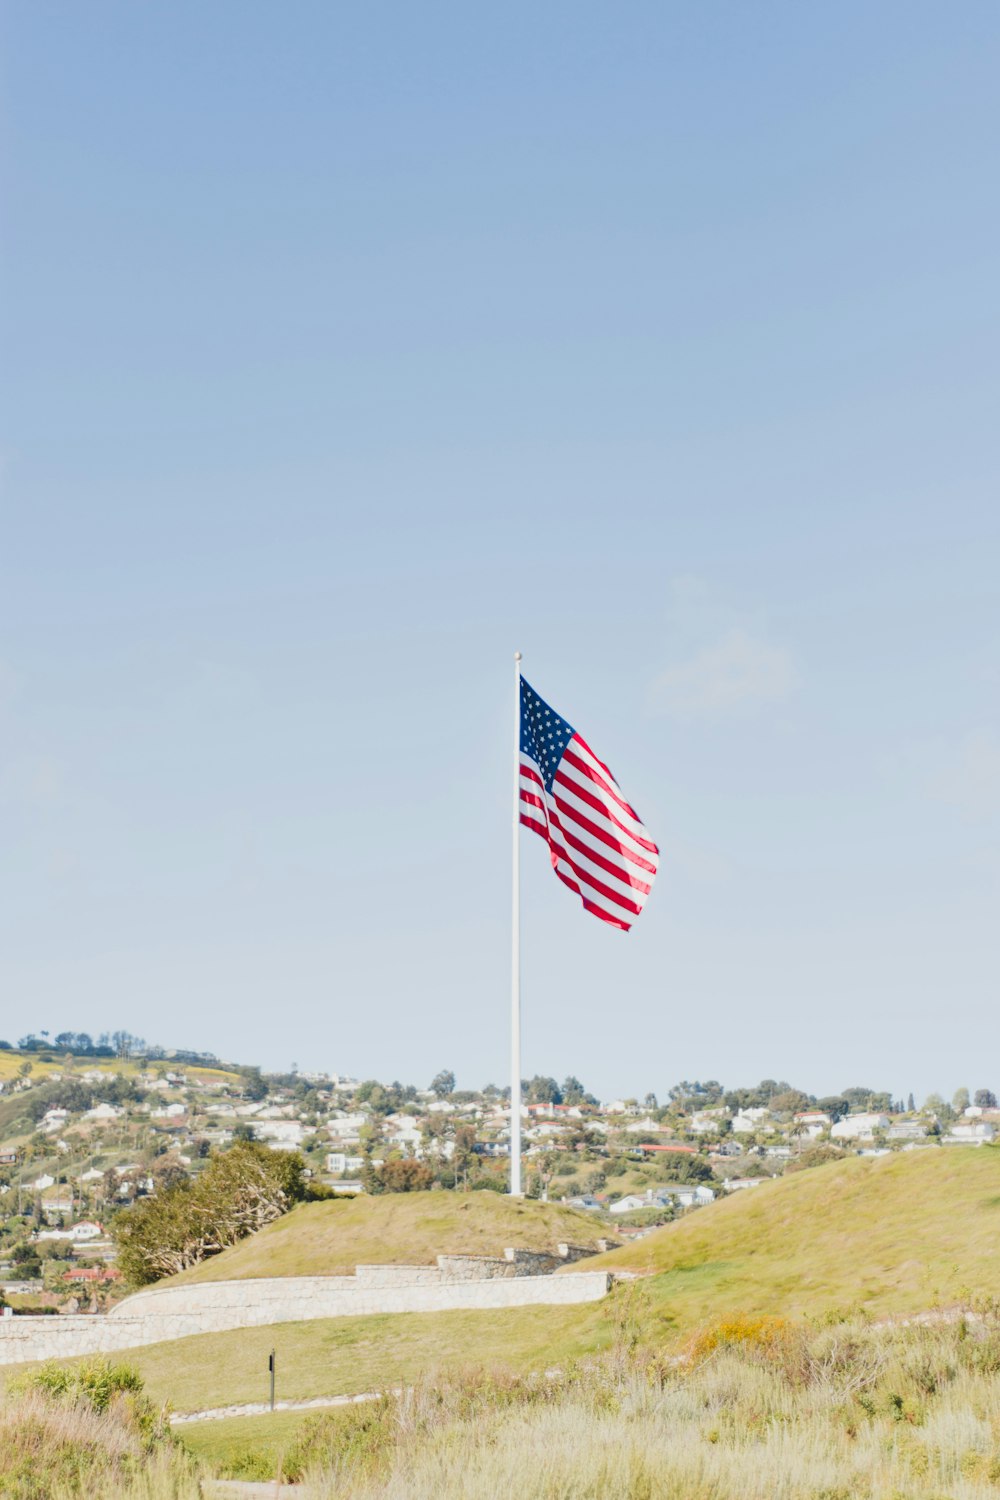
(76, 1429)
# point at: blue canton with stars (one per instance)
(544, 736)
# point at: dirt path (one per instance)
(260, 1408)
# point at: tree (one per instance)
(443, 1083)
(254, 1086)
(400, 1175)
(539, 1090)
(985, 1098)
(834, 1105)
(650, 1101)
(573, 1091)
(240, 1191)
(788, 1102)
(960, 1101)
(910, 1104)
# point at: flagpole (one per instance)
(515, 953)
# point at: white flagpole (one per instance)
(515, 953)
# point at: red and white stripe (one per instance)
(596, 842)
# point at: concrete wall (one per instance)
(212, 1307)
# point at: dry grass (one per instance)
(50, 1447)
(848, 1413)
(325, 1239)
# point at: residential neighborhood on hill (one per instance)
(86, 1130)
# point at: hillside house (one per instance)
(647, 1126)
(283, 1135)
(630, 1203)
(858, 1127)
(103, 1114)
(970, 1133)
(906, 1130)
(84, 1231)
(339, 1162)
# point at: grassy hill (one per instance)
(885, 1235)
(896, 1234)
(326, 1239)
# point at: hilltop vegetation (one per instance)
(325, 1239)
(892, 1234)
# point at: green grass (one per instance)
(325, 1239)
(216, 1444)
(884, 1235)
(891, 1235)
(334, 1356)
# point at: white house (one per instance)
(907, 1130)
(339, 1161)
(628, 1204)
(43, 1182)
(286, 1134)
(347, 1128)
(737, 1184)
(858, 1127)
(102, 1113)
(970, 1133)
(86, 1229)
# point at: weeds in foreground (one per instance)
(756, 1409)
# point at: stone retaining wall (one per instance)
(215, 1306)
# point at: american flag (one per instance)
(597, 844)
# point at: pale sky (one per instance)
(347, 350)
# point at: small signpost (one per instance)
(270, 1366)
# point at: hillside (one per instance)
(326, 1239)
(889, 1234)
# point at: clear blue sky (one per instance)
(347, 349)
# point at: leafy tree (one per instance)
(650, 1101)
(573, 1091)
(255, 1087)
(910, 1104)
(788, 1102)
(834, 1105)
(240, 1191)
(443, 1083)
(862, 1100)
(960, 1101)
(244, 1132)
(399, 1175)
(539, 1090)
(985, 1098)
